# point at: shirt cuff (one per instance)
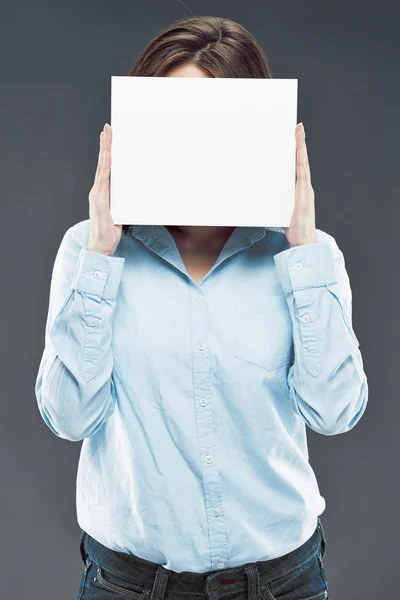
(98, 274)
(306, 266)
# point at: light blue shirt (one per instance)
(192, 400)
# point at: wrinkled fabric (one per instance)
(192, 400)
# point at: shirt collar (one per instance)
(256, 233)
(149, 233)
(159, 240)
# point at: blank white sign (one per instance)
(203, 151)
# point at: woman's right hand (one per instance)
(104, 235)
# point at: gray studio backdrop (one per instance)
(57, 60)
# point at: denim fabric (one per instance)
(112, 575)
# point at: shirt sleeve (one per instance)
(74, 386)
(327, 383)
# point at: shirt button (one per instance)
(216, 512)
(209, 458)
(220, 565)
(201, 345)
(298, 266)
(203, 402)
(98, 274)
(93, 322)
(306, 318)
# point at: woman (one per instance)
(189, 360)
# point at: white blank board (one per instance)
(203, 151)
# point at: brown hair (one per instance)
(219, 46)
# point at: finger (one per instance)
(99, 196)
(100, 148)
(104, 159)
(108, 130)
(107, 137)
(302, 163)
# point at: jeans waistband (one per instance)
(155, 578)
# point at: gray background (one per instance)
(57, 60)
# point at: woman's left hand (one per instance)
(302, 224)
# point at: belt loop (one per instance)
(83, 552)
(253, 582)
(160, 583)
(323, 537)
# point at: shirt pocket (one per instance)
(263, 332)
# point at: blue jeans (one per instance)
(112, 575)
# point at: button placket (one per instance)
(205, 429)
